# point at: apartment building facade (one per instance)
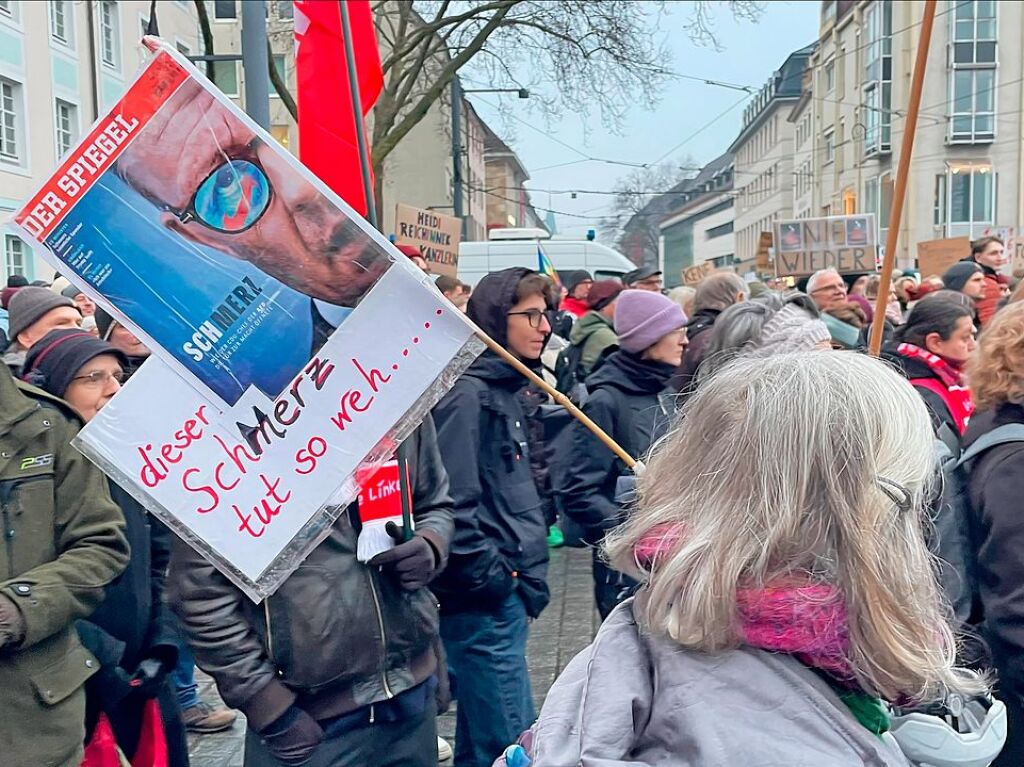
(764, 154)
(966, 173)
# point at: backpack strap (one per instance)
(1001, 435)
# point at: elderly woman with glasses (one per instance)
(787, 593)
(132, 633)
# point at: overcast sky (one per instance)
(683, 122)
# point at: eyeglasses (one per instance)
(830, 289)
(100, 377)
(533, 316)
(230, 200)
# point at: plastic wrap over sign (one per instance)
(256, 505)
(204, 236)
(291, 348)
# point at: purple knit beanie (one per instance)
(643, 317)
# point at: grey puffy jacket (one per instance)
(634, 699)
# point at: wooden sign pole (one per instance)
(903, 171)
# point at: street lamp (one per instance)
(457, 93)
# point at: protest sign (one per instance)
(291, 351)
(765, 249)
(845, 243)
(435, 235)
(204, 236)
(694, 274)
(934, 257)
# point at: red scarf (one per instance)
(950, 385)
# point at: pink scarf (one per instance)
(803, 619)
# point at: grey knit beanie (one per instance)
(31, 303)
(957, 275)
(791, 329)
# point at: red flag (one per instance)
(327, 132)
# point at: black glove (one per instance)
(293, 737)
(413, 561)
(148, 677)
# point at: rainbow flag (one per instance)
(545, 267)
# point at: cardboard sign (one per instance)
(290, 348)
(845, 243)
(934, 257)
(694, 274)
(435, 235)
(765, 244)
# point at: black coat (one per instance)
(131, 624)
(625, 398)
(500, 542)
(996, 489)
(499, 520)
(698, 331)
(912, 368)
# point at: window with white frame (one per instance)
(972, 80)
(110, 33)
(9, 9)
(225, 77)
(183, 48)
(15, 253)
(61, 20)
(279, 66)
(224, 9)
(877, 90)
(66, 122)
(11, 122)
(830, 76)
(965, 199)
(830, 146)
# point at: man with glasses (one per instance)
(827, 289)
(496, 575)
(222, 190)
(219, 185)
(644, 278)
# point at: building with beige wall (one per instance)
(966, 173)
(62, 64)
(763, 157)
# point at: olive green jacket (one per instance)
(595, 333)
(63, 541)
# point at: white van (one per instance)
(518, 247)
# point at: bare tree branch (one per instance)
(280, 86)
(207, 33)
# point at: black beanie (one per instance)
(104, 323)
(17, 281)
(55, 359)
(957, 275)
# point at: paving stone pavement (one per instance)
(566, 627)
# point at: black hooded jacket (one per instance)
(500, 542)
(625, 399)
(698, 331)
(996, 487)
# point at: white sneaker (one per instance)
(444, 750)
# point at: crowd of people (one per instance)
(784, 580)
